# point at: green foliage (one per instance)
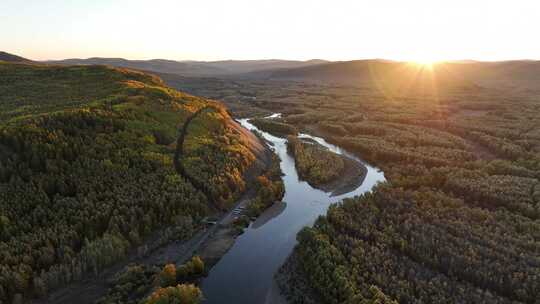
(215, 156)
(181, 294)
(86, 168)
(171, 275)
(274, 127)
(29, 90)
(396, 235)
(198, 265)
(457, 221)
(167, 276)
(269, 187)
(129, 285)
(314, 162)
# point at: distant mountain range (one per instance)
(194, 68)
(377, 72)
(503, 74)
(522, 74)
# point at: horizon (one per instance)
(270, 59)
(257, 30)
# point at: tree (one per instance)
(181, 294)
(167, 277)
(4, 223)
(198, 265)
(39, 287)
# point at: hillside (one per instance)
(247, 66)
(402, 76)
(155, 65)
(86, 170)
(192, 68)
(506, 74)
(394, 77)
(7, 57)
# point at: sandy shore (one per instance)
(351, 178)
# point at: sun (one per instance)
(425, 61)
(423, 64)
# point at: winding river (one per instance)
(245, 273)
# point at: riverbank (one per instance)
(163, 247)
(341, 173)
(245, 274)
(350, 178)
(253, 255)
(223, 234)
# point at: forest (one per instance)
(269, 188)
(140, 283)
(458, 220)
(86, 170)
(87, 174)
(314, 162)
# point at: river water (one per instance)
(245, 273)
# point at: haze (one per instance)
(248, 29)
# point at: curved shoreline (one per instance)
(215, 242)
(92, 288)
(245, 274)
(349, 178)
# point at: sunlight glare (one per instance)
(425, 62)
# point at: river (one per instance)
(245, 273)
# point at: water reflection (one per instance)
(274, 211)
(245, 273)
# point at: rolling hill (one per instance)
(87, 170)
(192, 68)
(7, 57)
(521, 74)
(390, 77)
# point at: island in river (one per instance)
(324, 169)
(245, 274)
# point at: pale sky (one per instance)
(285, 29)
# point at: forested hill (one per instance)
(391, 76)
(193, 68)
(86, 169)
(7, 57)
(406, 77)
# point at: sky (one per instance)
(414, 30)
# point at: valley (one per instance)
(457, 219)
(262, 248)
(269, 152)
(118, 187)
